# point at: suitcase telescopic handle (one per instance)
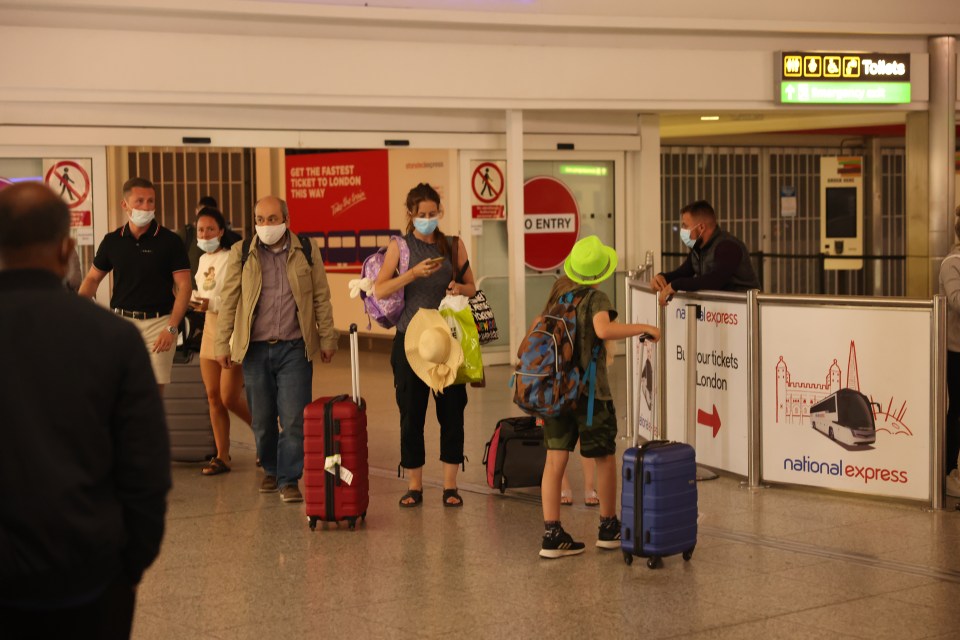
(354, 364)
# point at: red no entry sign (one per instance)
(70, 180)
(551, 222)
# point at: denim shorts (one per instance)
(598, 440)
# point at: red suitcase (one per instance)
(335, 472)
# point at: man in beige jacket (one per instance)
(275, 306)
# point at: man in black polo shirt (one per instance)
(149, 264)
(718, 260)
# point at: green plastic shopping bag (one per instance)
(456, 311)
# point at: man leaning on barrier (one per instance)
(717, 261)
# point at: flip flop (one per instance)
(566, 498)
(414, 494)
(215, 467)
(591, 499)
(452, 493)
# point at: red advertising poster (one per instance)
(337, 198)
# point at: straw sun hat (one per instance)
(433, 353)
(590, 261)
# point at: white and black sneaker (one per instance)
(558, 543)
(609, 536)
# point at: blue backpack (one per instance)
(548, 380)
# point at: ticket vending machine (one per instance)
(841, 211)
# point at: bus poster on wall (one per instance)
(335, 198)
(838, 410)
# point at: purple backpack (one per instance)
(384, 311)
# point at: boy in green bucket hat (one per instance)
(589, 263)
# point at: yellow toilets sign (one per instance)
(817, 77)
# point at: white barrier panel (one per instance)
(723, 378)
(642, 355)
(846, 398)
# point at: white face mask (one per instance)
(208, 246)
(140, 217)
(270, 234)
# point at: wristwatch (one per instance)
(172, 331)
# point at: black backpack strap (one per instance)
(307, 246)
(245, 251)
(455, 249)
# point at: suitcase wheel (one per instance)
(363, 516)
(688, 554)
(352, 523)
(313, 522)
(628, 558)
(654, 562)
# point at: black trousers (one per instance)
(109, 617)
(952, 449)
(413, 395)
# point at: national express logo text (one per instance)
(867, 474)
(716, 318)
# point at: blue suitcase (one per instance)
(659, 502)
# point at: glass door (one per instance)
(595, 182)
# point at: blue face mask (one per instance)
(686, 239)
(426, 226)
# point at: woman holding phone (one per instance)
(431, 276)
(224, 386)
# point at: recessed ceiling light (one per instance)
(709, 118)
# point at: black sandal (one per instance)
(416, 495)
(215, 467)
(452, 493)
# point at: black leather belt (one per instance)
(139, 315)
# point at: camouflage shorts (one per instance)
(598, 440)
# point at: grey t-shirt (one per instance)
(424, 292)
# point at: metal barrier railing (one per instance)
(807, 273)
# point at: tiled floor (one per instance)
(775, 563)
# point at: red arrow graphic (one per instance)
(708, 420)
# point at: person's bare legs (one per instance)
(589, 484)
(231, 390)
(210, 370)
(414, 482)
(553, 471)
(566, 492)
(607, 485)
(450, 480)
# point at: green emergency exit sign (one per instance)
(792, 92)
(842, 77)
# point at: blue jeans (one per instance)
(279, 381)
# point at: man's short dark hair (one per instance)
(700, 209)
(208, 202)
(31, 214)
(137, 183)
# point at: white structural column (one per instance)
(643, 225)
(941, 148)
(515, 251)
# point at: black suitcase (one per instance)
(515, 455)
